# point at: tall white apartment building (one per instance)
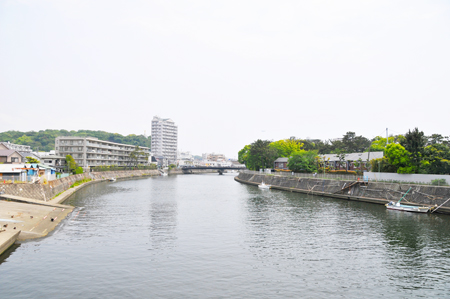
(164, 139)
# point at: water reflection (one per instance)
(207, 236)
(163, 224)
(349, 244)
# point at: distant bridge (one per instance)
(220, 169)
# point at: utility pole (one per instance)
(387, 137)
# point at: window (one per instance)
(14, 159)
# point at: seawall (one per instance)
(373, 192)
(46, 192)
(30, 211)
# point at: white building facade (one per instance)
(164, 139)
(90, 151)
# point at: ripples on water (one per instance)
(207, 236)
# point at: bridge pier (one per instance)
(220, 171)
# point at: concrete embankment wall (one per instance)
(374, 192)
(48, 191)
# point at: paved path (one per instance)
(36, 218)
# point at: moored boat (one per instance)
(263, 186)
(399, 207)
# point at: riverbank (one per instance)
(33, 210)
(372, 192)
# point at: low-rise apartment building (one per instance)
(90, 151)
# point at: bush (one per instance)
(439, 182)
(351, 172)
(79, 182)
(78, 170)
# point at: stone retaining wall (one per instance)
(381, 192)
(48, 191)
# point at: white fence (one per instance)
(408, 178)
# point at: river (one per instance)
(208, 236)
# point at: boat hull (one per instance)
(408, 208)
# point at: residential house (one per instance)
(353, 161)
(12, 172)
(281, 164)
(11, 157)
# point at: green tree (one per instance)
(414, 144)
(24, 140)
(383, 165)
(286, 147)
(243, 154)
(436, 159)
(379, 143)
(354, 144)
(137, 154)
(78, 170)
(303, 161)
(400, 158)
(32, 160)
(71, 164)
(261, 155)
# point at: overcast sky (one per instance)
(227, 72)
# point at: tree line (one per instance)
(412, 152)
(44, 140)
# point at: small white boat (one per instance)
(112, 179)
(399, 207)
(263, 186)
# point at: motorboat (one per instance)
(399, 207)
(407, 208)
(112, 179)
(263, 186)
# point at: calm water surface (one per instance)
(207, 236)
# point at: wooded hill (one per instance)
(44, 141)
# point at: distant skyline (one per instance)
(226, 72)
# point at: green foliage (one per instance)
(286, 147)
(137, 154)
(399, 157)
(379, 143)
(243, 154)
(383, 165)
(354, 144)
(78, 170)
(32, 160)
(71, 164)
(24, 140)
(436, 159)
(79, 182)
(409, 153)
(439, 182)
(172, 166)
(303, 161)
(45, 140)
(261, 155)
(414, 144)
